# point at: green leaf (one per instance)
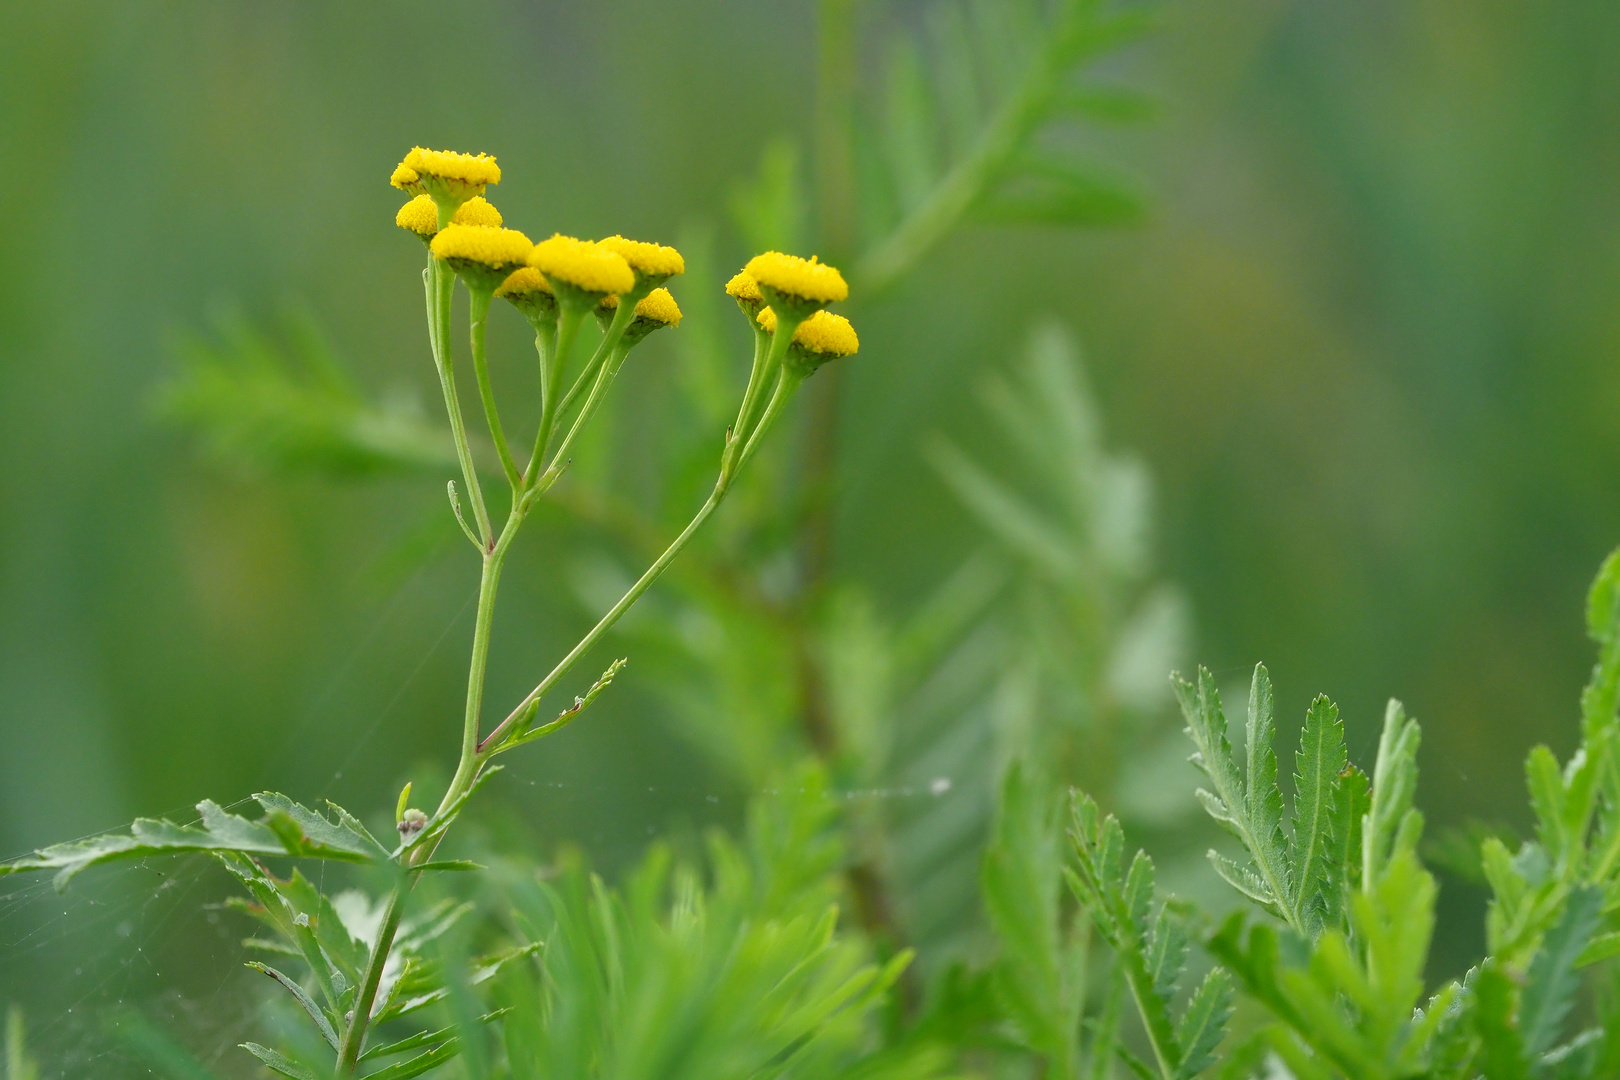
(1552, 980)
(1502, 1054)
(1317, 764)
(342, 832)
(1394, 784)
(322, 1024)
(1166, 954)
(261, 403)
(287, 829)
(1049, 192)
(521, 733)
(420, 1064)
(1352, 798)
(1204, 1023)
(1020, 881)
(280, 1063)
(1250, 807)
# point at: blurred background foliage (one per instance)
(1352, 316)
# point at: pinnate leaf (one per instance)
(287, 829)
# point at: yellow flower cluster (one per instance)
(802, 279)
(585, 265)
(421, 216)
(658, 306)
(825, 334)
(486, 245)
(745, 290)
(529, 292)
(473, 170)
(647, 260)
(535, 278)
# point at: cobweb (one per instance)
(146, 950)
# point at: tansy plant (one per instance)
(561, 285)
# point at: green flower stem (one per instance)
(559, 460)
(741, 434)
(787, 382)
(442, 279)
(492, 742)
(478, 318)
(570, 314)
(622, 315)
(545, 347)
(354, 1032)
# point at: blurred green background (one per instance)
(1365, 339)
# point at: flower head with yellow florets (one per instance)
(794, 285)
(527, 290)
(653, 264)
(654, 311)
(745, 290)
(820, 338)
(582, 266)
(449, 178)
(484, 255)
(421, 217)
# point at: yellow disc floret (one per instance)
(647, 260)
(525, 280)
(743, 287)
(803, 279)
(477, 211)
(582, 264)
(486, 245)
(406, 179)
(421, 216)
(825, 334)
(660, 307)
(473, 170)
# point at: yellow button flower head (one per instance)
(569, 262)
(406, 180)
(421, 217)
(745, 290)
(820, 338)
(656, 310)
(801, 285)
(528, 291)
(651, 262)
(483, 255)
(449, 177)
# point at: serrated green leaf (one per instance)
(341, 834)
(1250, 805)
(1495, 997)
(322, 1023)
(278, 1062)
(1020, 881)
(1167, 953)
(279, 833)
(1394, 784)
(1352, 798)
(1203, 1025)
(1552, 980)
(1317, 764)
